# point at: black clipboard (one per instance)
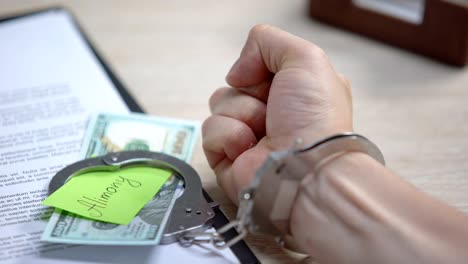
(240, 250)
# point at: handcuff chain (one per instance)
(240, 224)
(215, 238)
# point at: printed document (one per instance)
(50, 83)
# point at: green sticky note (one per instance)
(109, 196)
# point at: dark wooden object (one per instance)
(443, 34)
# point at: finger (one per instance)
(225, 179)
(225, 137)
(269, 50)
(259, 91)
(237, 105)
(233, 177)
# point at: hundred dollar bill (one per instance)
(110, 133)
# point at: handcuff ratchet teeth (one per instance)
(191, 213)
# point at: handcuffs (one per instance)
(264, 206)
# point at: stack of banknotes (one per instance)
(111, 133)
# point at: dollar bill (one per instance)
(110, 133)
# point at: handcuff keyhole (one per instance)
(280, 168)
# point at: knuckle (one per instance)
(308, 51)
(260, 29)
(316, 53)
(205, 128)
(216, 96)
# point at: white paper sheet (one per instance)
(49, 84)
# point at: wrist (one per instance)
(337, 218)
(352, 206)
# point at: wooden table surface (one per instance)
(173, 54)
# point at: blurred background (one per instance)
(172, 55)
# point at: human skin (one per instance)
(352, 209)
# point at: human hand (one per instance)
(283, 88)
